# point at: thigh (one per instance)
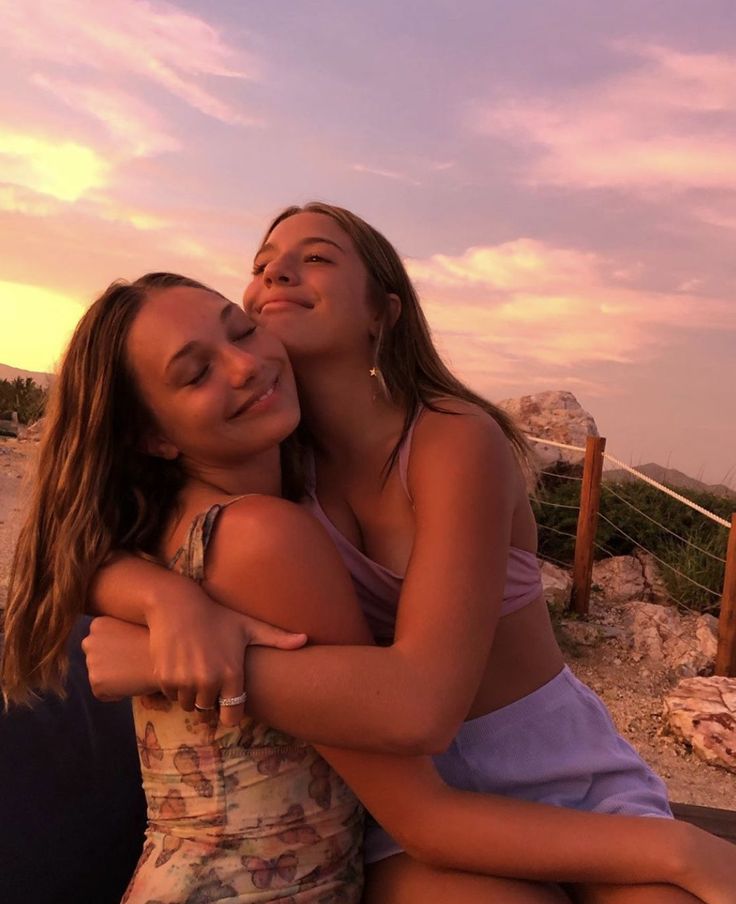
(631, 894)
(402, 880)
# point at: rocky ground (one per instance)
(632, 682)
(634, 693)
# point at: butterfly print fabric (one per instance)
(246, 814)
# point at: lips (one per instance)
(281, 301)
(257, 397)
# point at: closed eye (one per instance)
(198, 377)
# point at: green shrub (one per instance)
(24, 396)
(629, 530)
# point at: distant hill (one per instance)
(10, 373)
(671, 477)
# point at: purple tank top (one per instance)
(378, 588)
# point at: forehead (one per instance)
(168, 318)
(180, 307)
(305, 225)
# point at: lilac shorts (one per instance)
(556, 746)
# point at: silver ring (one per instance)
(203, 709)
(233, 701)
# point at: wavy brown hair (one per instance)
(94, 491)
(412, 372)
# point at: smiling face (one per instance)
(219, 389)
(311, 289)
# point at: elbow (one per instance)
(425, 734)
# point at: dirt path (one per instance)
(14, 458)
(632, 691)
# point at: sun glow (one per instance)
(35, 325)
(64, 170)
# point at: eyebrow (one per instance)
(311, 240)
(191, 346)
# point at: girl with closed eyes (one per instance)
(410, 475)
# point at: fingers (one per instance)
(206, 703)
(232, 688)
(264, 635)
(186, 696)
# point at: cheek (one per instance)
(249, 296)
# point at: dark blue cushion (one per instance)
(72, 812)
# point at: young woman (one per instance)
(484, 833)
(141, 454)
(336, 292)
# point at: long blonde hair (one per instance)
(95, 490)
(410, 366)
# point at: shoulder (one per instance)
(461, 428)
(256, 525)
(460, 453)
(271, 559)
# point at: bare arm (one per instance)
(196, 647)
(286, 572)
(517, 839)
(410, 697)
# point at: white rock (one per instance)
(687, 645)
(620, 579)
(557, 583)
(656, 589)
(650, 629)
(554, 415)
(702, 712)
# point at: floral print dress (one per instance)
(246, 814)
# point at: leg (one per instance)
(631, 894)
(401, 880)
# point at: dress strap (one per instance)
(189, 558)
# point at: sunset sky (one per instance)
(559, 176)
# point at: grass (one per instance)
(629, 530)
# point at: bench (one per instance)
(717, 822)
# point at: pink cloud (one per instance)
(383, 173)
(669, 121)
(137, 128)
(154, 41)
(509, 308)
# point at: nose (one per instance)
(240, 365)
(278, 272)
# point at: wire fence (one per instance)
(639, 516)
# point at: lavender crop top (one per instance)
(378, 588)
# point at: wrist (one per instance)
(681, 853)
(166, 591)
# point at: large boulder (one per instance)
(556, 415)
(557, 584)
(686, 645)
(619, 579)
(656, 589)
(702, 712)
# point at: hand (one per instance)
(197, 649)
(118, 660)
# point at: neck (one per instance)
(344, 408)
(258, 473)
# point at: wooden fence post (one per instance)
(590, 497)
(726, 655)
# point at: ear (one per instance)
(393, 308)
(159, 447)
(386, 318)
